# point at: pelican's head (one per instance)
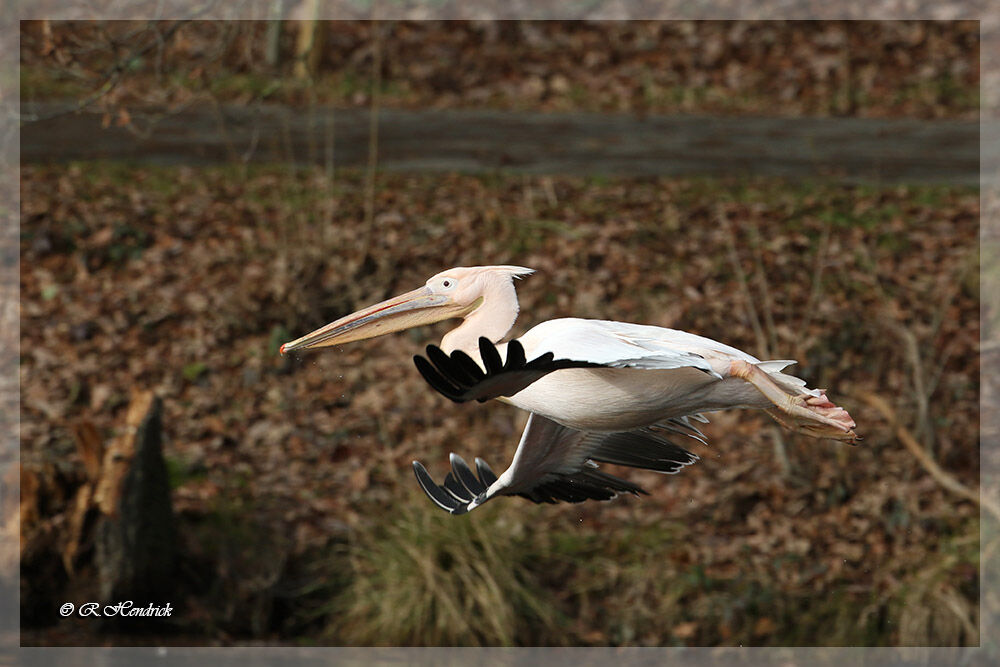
(455, 293)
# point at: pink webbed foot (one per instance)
(815, 416)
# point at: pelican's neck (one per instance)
(492, 319)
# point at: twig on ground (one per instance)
(912, 352)
(781, 453)
(764, 341)
(941, 476)
(816, 290)
(372, 166)
(762, 347)
(765, 292)
(958, 606)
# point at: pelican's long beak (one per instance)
(421, 306)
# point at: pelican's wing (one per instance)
(565, 343)
(625, 345)
(461, 379)
(554, 463)
(684, 426)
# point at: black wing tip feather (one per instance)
(459, 378)
(485, 472)
(438, 495)
(515, 354)
(490, 355)
(462, 490)
(464, 473)
(436, 380)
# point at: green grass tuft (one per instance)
(432, 579)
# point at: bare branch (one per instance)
(942, 477)
(912, 348)
(816, 290)
(762, 347)
(762, 284)
(117, 72)
(370, 171)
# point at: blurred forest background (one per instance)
(295, 515)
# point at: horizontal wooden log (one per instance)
(846, 149)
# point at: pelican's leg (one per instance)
(812, 415)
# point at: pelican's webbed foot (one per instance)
(812, 415)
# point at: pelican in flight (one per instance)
(596, 391)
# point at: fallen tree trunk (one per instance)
(851, 150)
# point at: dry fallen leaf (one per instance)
(764, 626)
(685, 630)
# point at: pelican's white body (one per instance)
(659, 374)
(616, 399)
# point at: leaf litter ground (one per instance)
(299, 515)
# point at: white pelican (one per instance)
(596, 391)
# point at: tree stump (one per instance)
(136, 540)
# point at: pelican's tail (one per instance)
(789, 383)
